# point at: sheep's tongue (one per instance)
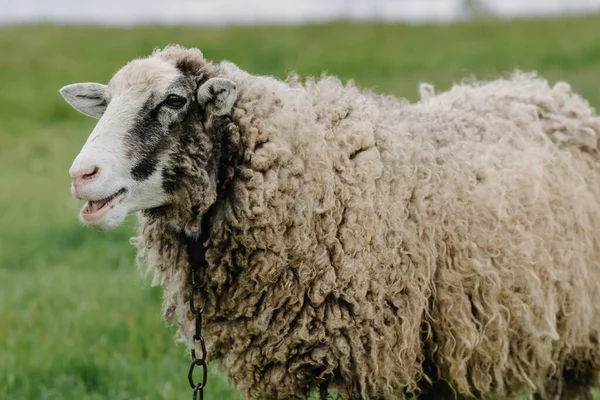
(95, 205)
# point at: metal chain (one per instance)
(198, 285)
(197, 260)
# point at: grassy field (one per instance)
(77, 321)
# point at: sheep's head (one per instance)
(146, 113)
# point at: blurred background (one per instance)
(77, 320)
(227, 12)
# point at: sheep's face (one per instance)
(144, 113)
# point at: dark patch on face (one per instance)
(150, 138)
(143, 169)
(146, 141)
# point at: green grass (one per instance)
(76, 319)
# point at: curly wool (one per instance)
(381, 245)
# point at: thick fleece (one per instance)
(387, 247)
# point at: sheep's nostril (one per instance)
(84, 174)
(90, 175)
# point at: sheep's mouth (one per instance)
(97, 207)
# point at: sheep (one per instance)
(354, 240)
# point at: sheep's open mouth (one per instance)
(94, 206)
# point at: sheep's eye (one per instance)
(175, 101)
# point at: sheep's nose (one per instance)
(85, 174)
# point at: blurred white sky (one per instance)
(217, 12)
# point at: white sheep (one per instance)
(358, 240)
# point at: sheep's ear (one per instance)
(87, 98)
(220, 93)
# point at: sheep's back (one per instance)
(497, 193)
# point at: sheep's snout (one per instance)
(105, 192)
(88, 178)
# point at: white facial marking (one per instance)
(111, 191)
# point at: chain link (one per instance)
(197, 288)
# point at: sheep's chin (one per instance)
(110, 220)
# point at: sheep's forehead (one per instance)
(150, 75)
